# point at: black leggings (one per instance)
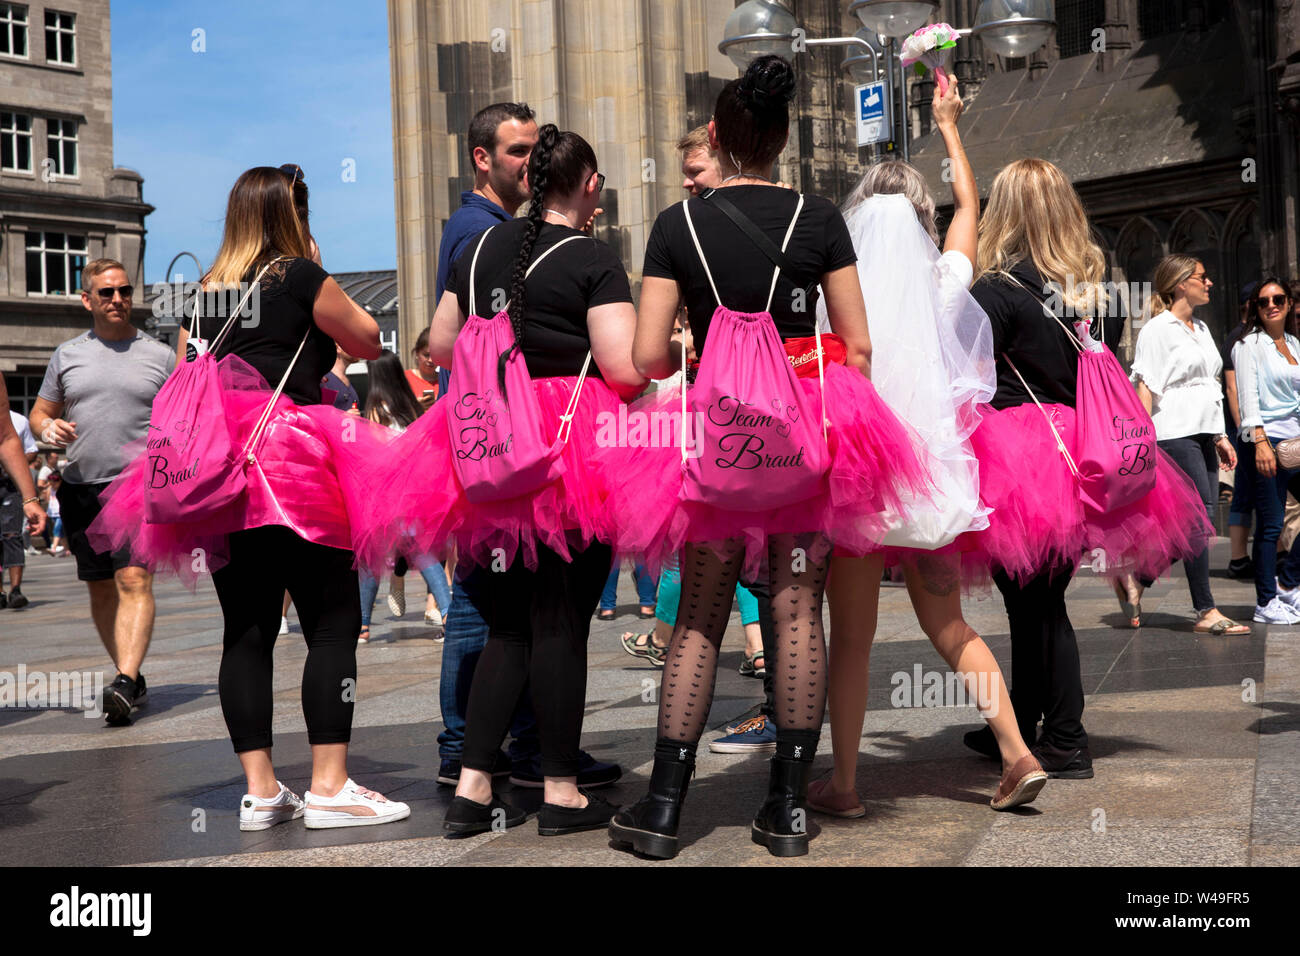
(264, 563)
(538, 625)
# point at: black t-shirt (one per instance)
(820, 244)
(583, 274)
(1038, 345)
(268, 339)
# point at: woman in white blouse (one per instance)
(1176, 369)
(1268, 393)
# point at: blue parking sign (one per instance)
(872, 100)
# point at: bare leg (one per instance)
(854, 595)
(934, 585)
(1238, 536)
(329, 768)
(260, 773)
(103, 610)
(135, 613)
(753, 639)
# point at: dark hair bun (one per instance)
(768, 84)
(547, 136)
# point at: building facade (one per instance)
(62, 201)
(1174, 118)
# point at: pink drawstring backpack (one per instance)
(499, 443)
(194, 471)
(1114, 460)
(758, 446)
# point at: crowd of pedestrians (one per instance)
(871, 390)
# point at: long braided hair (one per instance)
(560, 163)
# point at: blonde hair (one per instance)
(98, 267)
(261, 224)
(1034, 214)
(893, 176)
(1171, 271)
(697, 138)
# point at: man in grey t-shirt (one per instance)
(96, 398)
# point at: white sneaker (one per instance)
(284, 625)
(1290, 598)
(433, 618)
(1277, 612)
(353, 806)
(258, 814)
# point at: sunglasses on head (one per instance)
(106, 292)
(294, 172)
(1264, 301)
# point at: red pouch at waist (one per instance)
(803, 353)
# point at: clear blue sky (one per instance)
(303, 82)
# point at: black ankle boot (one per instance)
(650, 824)
(781, 824)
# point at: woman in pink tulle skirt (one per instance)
(1035, 247)
(291, 527)
(504, 468)
(745, 258)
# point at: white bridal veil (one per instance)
(932, 359)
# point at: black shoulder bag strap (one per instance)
(756, 236)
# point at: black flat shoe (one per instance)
(466, 816)
(1073, 764)
(982, 742)
(1243, 569)
(555, 820)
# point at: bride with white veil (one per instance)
(932, 362)
(932, 351)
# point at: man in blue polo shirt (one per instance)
(501, 140)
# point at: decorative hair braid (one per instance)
(538, 173)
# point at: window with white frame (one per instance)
(60, 37)
(13, 29)
(54, 262)
(61, 137)
(15, 142)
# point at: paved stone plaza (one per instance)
(1196, 742)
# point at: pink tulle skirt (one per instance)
(873, 459)
(418, 506)
(1038, 521)
(312, 465)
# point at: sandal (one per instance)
(1019, 785)
(364, 636)
(605, 614)
(1131, 609)
(749, 666)
(644, 646)
(822, 799)
(1222, 627)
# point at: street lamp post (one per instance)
(1011, 28)
(892, 21)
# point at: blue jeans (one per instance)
(1196, 456)
(435, 579)
(1243, 487)
(465, 635)
(1270, 509)
(645, 588)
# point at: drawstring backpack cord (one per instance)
(566, 420)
